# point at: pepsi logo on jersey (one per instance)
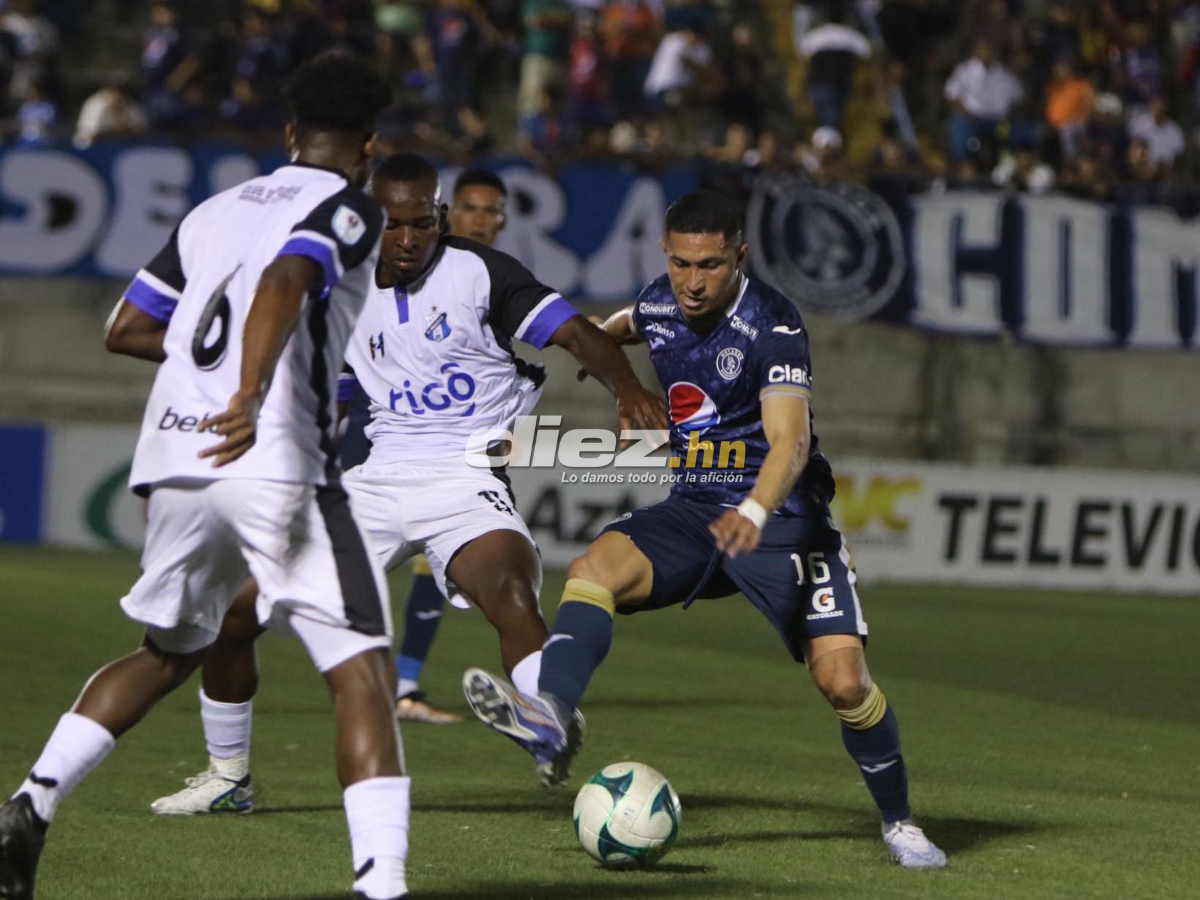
(691, 408)
(436, 396)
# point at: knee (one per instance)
(845, 689)
(240, 625)
(360, 676)
(512, 597)
(173, 669)
(588, 568)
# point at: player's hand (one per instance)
(582, 374)
(640, 409)
(238, 425)
(735, 534)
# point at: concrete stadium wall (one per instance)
(881, 391)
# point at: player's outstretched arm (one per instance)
(274, 314)
(786, 425)
(132, 332)
(601, 356)
(619, 326)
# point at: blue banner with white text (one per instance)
(1044, 269)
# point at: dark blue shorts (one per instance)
(800, 577)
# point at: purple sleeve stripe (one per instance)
(346, 386)
(542, 328)
(318, 253)
(151, 302)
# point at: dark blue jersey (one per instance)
(715, 383)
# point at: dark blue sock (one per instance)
(569, 661)
(422, 616)
(877, 752)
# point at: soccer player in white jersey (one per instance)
(249, 307)
(477, 211)
(433, 351)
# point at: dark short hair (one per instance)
(705, 212)
(335, 92)
(481, 178)
(406, 168)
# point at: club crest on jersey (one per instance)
(371, 343)
(729, 363)
(436, 326)
(348, 225)
(691, 408)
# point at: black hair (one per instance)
(407, 168)
(705, 212)
(335, 92)
(482, 178)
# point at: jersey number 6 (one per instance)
(209, 356)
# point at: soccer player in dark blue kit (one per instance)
(732, 354)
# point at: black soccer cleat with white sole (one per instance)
(22, 836)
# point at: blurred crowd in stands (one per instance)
(1098, 98)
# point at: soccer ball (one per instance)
(627, 815)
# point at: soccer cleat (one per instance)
(910, 847)
(359, 895)
(22, 836)
(413, 707)
(207, 792)
(558, 770)
(530, 721)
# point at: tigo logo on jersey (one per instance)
(787, 375)
(729, 363)
(691, 408)
(437, 397)
(348, 225)
(436, 326)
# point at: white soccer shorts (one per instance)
(300, 542)
(435, 507)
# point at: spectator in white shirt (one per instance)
(678, 59)
(832, 50)
(109, 113)
(1162, 134)
(982, 92)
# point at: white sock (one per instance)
(76, 747)
(406, 686)
(227, 732)
(525, 674)
(377, 812)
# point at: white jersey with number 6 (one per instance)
(202, 284)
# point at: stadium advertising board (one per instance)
(914, 522)
(1049, 269)
(927, 522)
(22, 470)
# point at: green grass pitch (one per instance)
(1053, 744)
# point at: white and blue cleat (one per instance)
(207, 793)
(910, 848)
(533, 722)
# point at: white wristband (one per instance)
(754, 511)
